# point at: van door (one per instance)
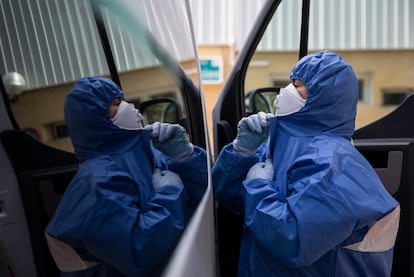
(276, 41)
(388, 144)
(147, 48)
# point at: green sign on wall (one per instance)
(211, 70)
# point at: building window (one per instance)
(365, 87)
(59, 130)
(394, 97)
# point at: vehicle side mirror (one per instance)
(261, 99)
(163, 110)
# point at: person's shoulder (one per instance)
(331, 146)
(100, 160)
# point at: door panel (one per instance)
(388, 144)
(393, 160)
(43, 173)
(16, 256)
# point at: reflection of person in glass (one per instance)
(312, 204)
(126, 208)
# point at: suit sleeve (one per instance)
(228, 173)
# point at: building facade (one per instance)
(375, 36)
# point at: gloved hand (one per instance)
(171, 140)
(165, 177)
(251, 132)
(263, 170)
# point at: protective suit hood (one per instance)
(87, 117)
(332, 96)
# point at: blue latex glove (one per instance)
(263, 170)
(171, 140)
(165, 177)
(251, 132)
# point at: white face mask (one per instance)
(127, 117)
(288, 101)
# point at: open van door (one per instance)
(388, 144)
(277, 39)
(148, 49)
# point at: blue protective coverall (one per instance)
(316, 217)
(110, 214)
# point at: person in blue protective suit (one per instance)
(312, 204)
(127, 206)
